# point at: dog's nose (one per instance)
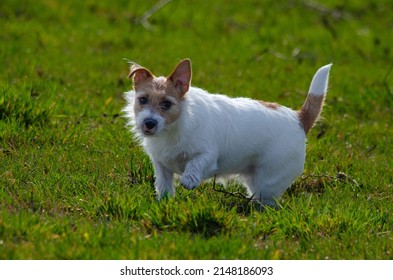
(150, 123)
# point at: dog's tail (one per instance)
(312, 107)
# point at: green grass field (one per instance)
(75, 185)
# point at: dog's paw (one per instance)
(190, 182)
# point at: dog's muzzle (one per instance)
(149, 126)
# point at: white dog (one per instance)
(197, 135)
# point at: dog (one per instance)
(197, 135)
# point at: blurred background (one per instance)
(263, 49)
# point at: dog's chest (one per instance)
(169, 156)
(176, 164)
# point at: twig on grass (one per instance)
(144, 20)
(234, 194)
(323, 10)
(340, 176)
(316, 183)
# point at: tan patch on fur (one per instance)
(310, 111)
(157, 91)
(139, 75)
(270, 105)
(181, 76)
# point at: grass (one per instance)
(74, 185)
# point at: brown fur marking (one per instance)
(270, 105)
(310, 111)
(159, 90)
(156, 91)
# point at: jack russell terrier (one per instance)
(198, 135)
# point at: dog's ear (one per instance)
(181, 76)
(139, 74)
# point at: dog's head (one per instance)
(158, 100)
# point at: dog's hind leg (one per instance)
(266, 187)
(263, 193)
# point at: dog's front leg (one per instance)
(201, 167)
(163, 180)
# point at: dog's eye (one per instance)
(142, 100)
(165, 105)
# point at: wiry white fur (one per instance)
(217, 135)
